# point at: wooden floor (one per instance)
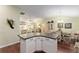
(65, 48)
(11, 49)
(62, 48)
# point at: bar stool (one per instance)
(76, 47)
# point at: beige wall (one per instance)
(67, 19)
(8, 35)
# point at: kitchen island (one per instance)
(38, 42)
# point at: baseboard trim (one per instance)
(9, 44)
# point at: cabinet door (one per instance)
(37, 43)
(30, 45)
(50, 45)
(22, 46)
(33, 44)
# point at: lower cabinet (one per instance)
(38, 43)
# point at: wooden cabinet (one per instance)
(38, 43)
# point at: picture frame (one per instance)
(68, 25)
(60, 25)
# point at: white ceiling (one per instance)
(50, 10)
